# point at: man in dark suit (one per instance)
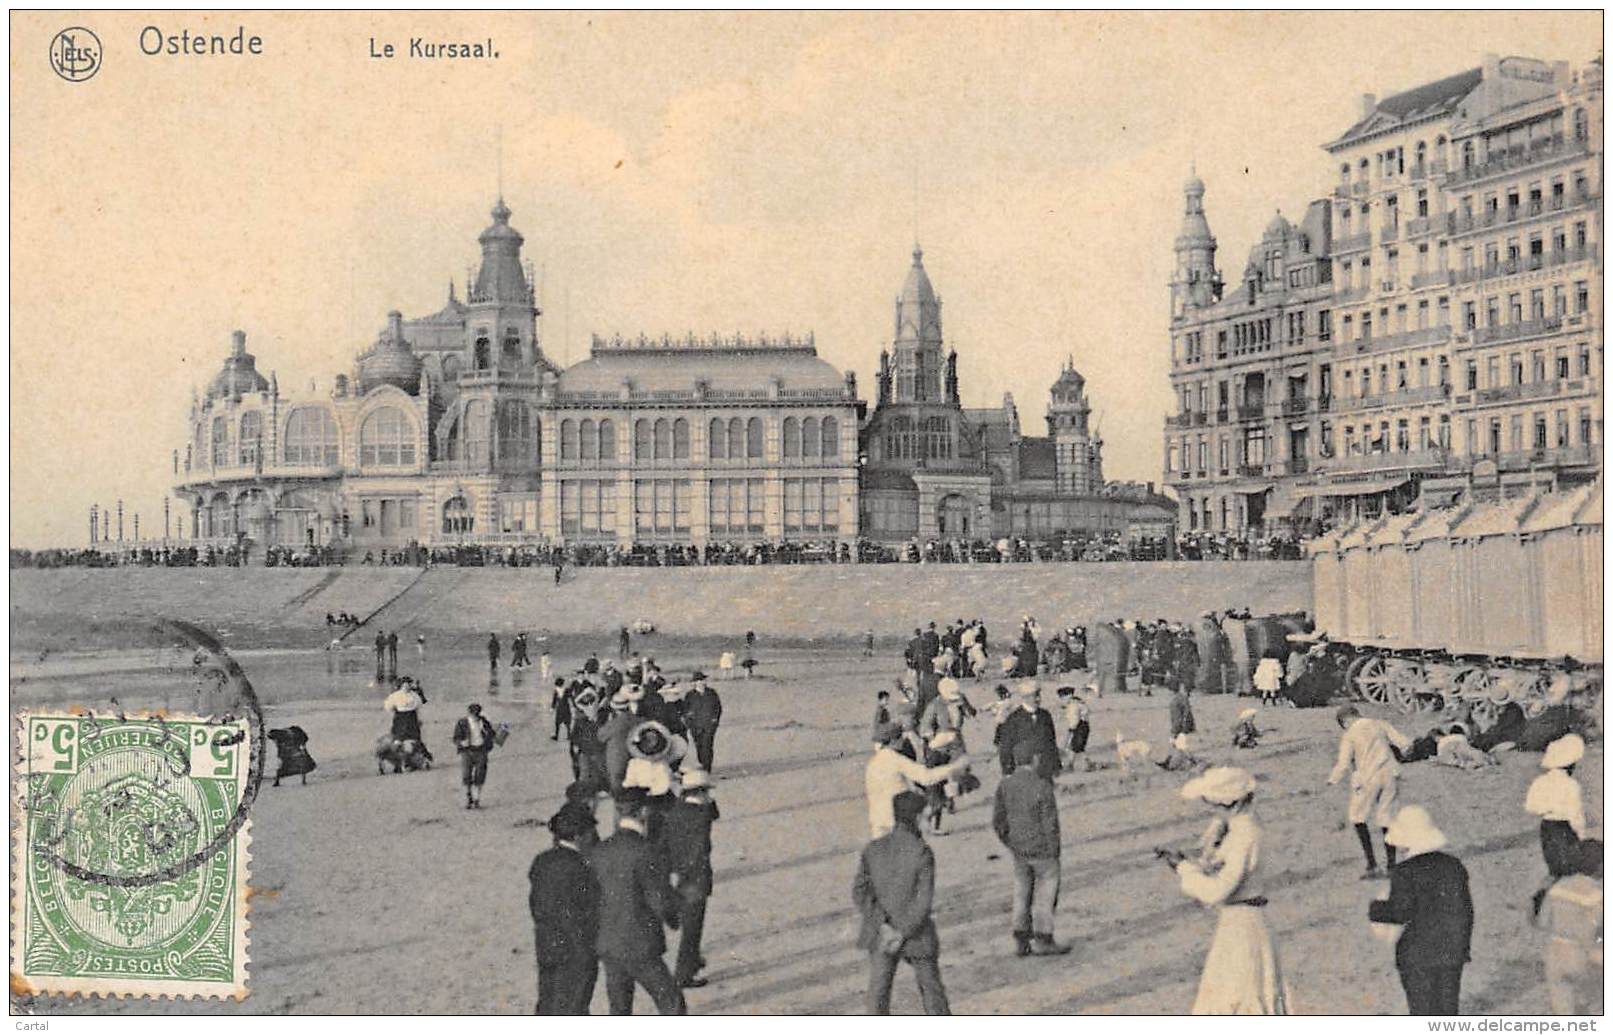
(635, 900)
(1429, 898)
(1032, 723)
(565, 915)
(932, 645)
(702, 712)
(473, 739)
(1025, 817)
(894, 891)
(686, 838)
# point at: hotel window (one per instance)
(1493, 369)
(251, 438)
(1560, 363)
(1492, 311)
(517, 433)
(717, 439)
(735, 506)
(663, 439)
(831, 438)
(792, 438)
(736, 439)
(1562, 428)
(569, 438)
(1472, 382)
(1585, 426)
(1515, 426)
(221, 442)
(1584, 361)
(1540, 431)
(588, 508)
(1422, 208)
(1425, 438)
(753, 438)
(1470, 316)
(1444, 431)
(386, 439)
(1402, 436)
(680, 439)
(1346, 274)
(1515, 367)
(1422, 314)
(475, 431)
(811, 444)
(811, 505)
(1537, 304)
(1579, 237)
(661, 506)
(587, 444)
(1422, 371)
(515, 513)
(312, 439)
(1559, 300)
(643, 440)
(1582, 296)
(1324, 325)
(1537, 365)
(1400, 375)
(1515, 307)
(1475, 447)
(1203, 457)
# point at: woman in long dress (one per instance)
(1242, 974)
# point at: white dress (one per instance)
(1242, 974)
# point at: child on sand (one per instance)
(1076, 724)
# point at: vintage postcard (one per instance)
(807, 513)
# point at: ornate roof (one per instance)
(239, 375)
(741, 365)
(1437, 98)
(390, 360)
(918, 309)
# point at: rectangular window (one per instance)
(1582, 296)
(1472, 376)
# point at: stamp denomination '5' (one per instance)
(128, 878)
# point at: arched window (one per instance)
(568, 438)
(386, 439)
(736, 439)
(476, 431)
(251, 438)
(717, 440)
(607, 440)
(220, 516)
(457, 517)
(680, 439)
(753, 438)
(938, 439)
(1422, 153)
(221, 442)
(792, 438)
(643, 440)
(517, 432)
(585, 440)
(831, 437)
(312, 439)
(512, 347)
(484, 353)
(811, 446)
(663, 439)
(1344, 172)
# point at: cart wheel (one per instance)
(1371, 679)
(1473, 684)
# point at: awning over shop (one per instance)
(1283, 501)
(1364, 488)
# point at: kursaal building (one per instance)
(457, 428)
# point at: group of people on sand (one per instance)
(919, 767)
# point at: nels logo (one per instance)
(75, 54)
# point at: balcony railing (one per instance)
(1545, 150)
(1431, 278)
(1517, 330)
(1402, 397)
(1353, 243)
(1435, 335)
(1417, 459)
(1295, 407)
(1523, 390)
(1252, 470)
(1560, 456)
(1179, 420)
(1200, 419)
(1221, 415)
(1255, 411)
(1420, 225)
(1349, 294)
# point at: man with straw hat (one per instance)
(1242, 973)
(686, 836)
(1029, 722)
(565, 915)
(1430, 901)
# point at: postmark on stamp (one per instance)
(130, 853)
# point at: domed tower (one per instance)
(239, 375)
(389, 361)
(501, 315)
(1077, 455)
(917, 362)
(1196, 282)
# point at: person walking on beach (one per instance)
(1367, 754)
(564, 902)
(623, 643)
(392, 654)
(560, 703)
(473, 739)
(1430, 901)
(1029, 722)
(702, 713)
(890, 773)
(636, 899)
(1556, 798)
(493, 651)
(894, 891)
(380, 657)
(1025, 817)
(1242, 974)
(686, 834)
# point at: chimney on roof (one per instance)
(1369, 104)
(394, 328)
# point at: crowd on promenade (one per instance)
(1193, 547)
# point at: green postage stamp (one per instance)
(129, 856)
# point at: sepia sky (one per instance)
(719, 172)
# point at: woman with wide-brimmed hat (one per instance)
(1430, 903)
(1242, 974)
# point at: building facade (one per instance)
(456, 428)
(1448, 335)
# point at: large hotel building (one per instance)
(457, 428)
(1433, 327)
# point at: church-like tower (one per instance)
(1078, 455)
(501, 317)
(1196, 282)
(918, 368)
